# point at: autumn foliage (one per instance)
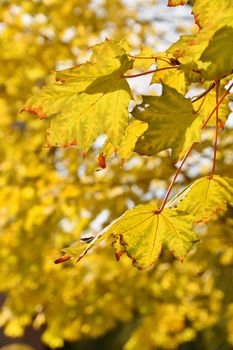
(146, 178)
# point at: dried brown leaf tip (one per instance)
(181, 259)
(62, 259)
(35, 111)
(221, 124)
(172, 3)
(101, 161)
(74, 143)
(119, 254)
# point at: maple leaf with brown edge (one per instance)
(142, 232)
(88, 100)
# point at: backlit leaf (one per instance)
(144, 62)
(205, 105)
(87, 100)
(212, 21)
(133, 131)
(171, 77)
(206, 197)
(80, 248)
(142, 233)
(219, 11)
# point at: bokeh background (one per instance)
(49, 198)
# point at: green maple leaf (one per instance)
(87, 100)
(172, 124)
(218, 55)
(141, 233)
(205, 198)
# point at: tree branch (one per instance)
(216, 133)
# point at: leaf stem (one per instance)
(150, 57)
(149, 72)
(216, 106)
(212, 85)
(174, 179)
(201, 104)
(216, 132)
(218, 102)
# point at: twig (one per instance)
(149, 72)
(212, 85)
(174, 179)
(218, 102)
(216, 106)
(216, 133)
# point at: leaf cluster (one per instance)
(51, 197)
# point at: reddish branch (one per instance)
(212, 85)
(149, 72)
(216, 132)
(216, 106)
(218, 102)
(174, 179)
